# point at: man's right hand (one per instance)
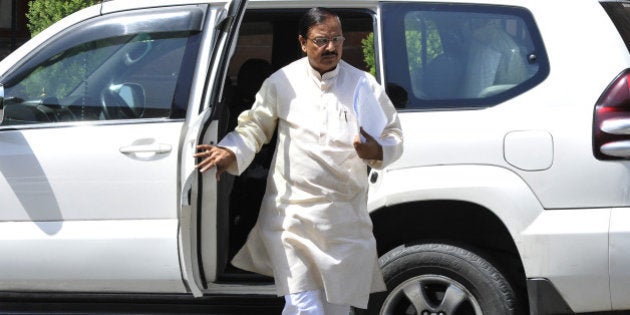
(213, 156)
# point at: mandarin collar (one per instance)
(326, 76)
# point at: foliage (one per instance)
(71, 65)
(414, 43)
(43, 13)
(415, 48)
(368, 53)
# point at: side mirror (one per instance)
(132, 98)
(1, 104)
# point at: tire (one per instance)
(440, 279)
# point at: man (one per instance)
(313, 233)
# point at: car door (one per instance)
(198, 198)
(89, 154)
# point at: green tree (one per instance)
(73, 64)
(415, 44)
(368, 52)
(43, 13)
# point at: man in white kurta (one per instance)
(313, 231)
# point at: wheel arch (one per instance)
(460, 223)
(416, 197)
(478, 207)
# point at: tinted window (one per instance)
(117, 75)
(440, 56)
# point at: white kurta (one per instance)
(313, 230)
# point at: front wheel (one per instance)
(440, 279)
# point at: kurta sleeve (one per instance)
(255, 128)
(392, 138)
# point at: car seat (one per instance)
(495, 62)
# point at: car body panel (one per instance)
(570, 248)
(90, 256)
(198, 231)
(117, 182)
(57, 182)
(451, 154)
(620, 258)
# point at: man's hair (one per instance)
(312, 17)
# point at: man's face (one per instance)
(326, 57)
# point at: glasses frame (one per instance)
(324, 41)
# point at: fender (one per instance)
(541, 236)
(495, 188)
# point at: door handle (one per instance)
(159, 148)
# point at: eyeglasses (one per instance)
(323, 41)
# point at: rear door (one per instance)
(89, 158)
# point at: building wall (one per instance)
(13, 30)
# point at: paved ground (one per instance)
(141, 305)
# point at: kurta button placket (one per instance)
(326, 84)
(323, 112)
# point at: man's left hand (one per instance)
(368, 150)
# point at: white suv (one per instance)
(512, 196)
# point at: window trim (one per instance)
(393, 10)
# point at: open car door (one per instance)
(198, 220)
(93, 113)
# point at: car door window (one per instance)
(461, 55)
(117, 74)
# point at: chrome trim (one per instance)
(1, 104)
(617, 126)
(617, 149)
(93, 123)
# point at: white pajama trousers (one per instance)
(312, 302)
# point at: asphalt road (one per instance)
(148, 304)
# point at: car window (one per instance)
(117, 75)
(460, 55)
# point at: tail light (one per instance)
(611, 124)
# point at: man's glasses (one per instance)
(323, 41)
